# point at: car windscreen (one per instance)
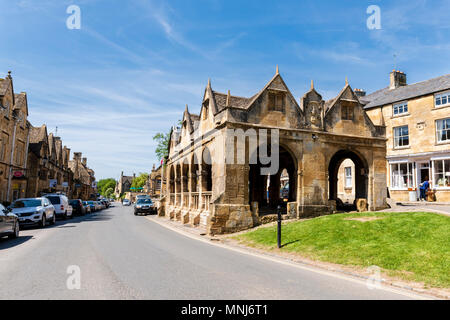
(75, 203)
(54, 199)
(90, 202)
(144, 201)
(26, 203)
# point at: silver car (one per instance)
(34, 211)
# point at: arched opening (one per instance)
(206, 170)
(178, 184)
(194, 174)
(172, 180)
(270, 191)
(347, 179)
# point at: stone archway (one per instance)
(360, 179)
(267, 190)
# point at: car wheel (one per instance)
(65, 215)
(53, 221)
(43, 221)
(16, 231)
(135, 213)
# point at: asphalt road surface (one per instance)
(121, 256)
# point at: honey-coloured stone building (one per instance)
(220, 170)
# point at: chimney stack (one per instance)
(397, 79)
(360, 93)
(77, 156)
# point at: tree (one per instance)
(139, 181)
(109, 193)
(162, 149)
(105, 184)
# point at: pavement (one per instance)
(122, 256)
(435, 207)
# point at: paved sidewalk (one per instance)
(435, 207)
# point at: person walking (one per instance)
(423, 189)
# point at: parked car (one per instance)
(87, 207)
(61, 204)
(34, 211)
(78, 207)
(105, 203)
(98, 205)
(92, 205)
(144, 205)
(9, 223)
(126, 202)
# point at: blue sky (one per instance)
(131, 68)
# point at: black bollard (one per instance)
(279, 227)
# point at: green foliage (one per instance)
(139, 181)
(162, 149)
(412, 246)
(109, 193)
(105, 184)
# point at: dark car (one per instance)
(145, 206)
(9, 223)
(87, 207)
(78, 207)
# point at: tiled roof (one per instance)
(37, 134)
(3, 86)
(387, 96)
(235, 102)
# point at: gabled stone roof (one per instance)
(235, 102)
(3, 86)
(386, 96)
(21, 101)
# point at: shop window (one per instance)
(402, 175)
(442, 173)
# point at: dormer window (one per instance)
(442, 99)
(400, 108)
(347, 111)
(277, 101)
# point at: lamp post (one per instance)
(279, 227)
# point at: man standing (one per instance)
(423, 189)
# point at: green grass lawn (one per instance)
(413, 246)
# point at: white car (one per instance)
(126, 202)
(61, 204)
(32, 211)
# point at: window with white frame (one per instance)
(443, 130)
(442, 99)
(400, 108)
(348, 177)
(442, 173)
(402, 175)
(401, 136)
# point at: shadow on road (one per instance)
(6, 243)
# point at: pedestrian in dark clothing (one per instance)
(423, 189)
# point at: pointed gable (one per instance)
(345, 115)
(275, 104)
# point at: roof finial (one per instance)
(186, 110)
(228, 98)
(346, 80)
(312, 84)
(9, 74)
(278, 70)
(209, 82)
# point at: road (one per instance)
(122, 256)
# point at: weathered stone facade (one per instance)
(124, 184)
(422, 149)
(210, 183)
(83, 178)
(13, 141)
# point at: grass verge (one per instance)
(413, 246)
